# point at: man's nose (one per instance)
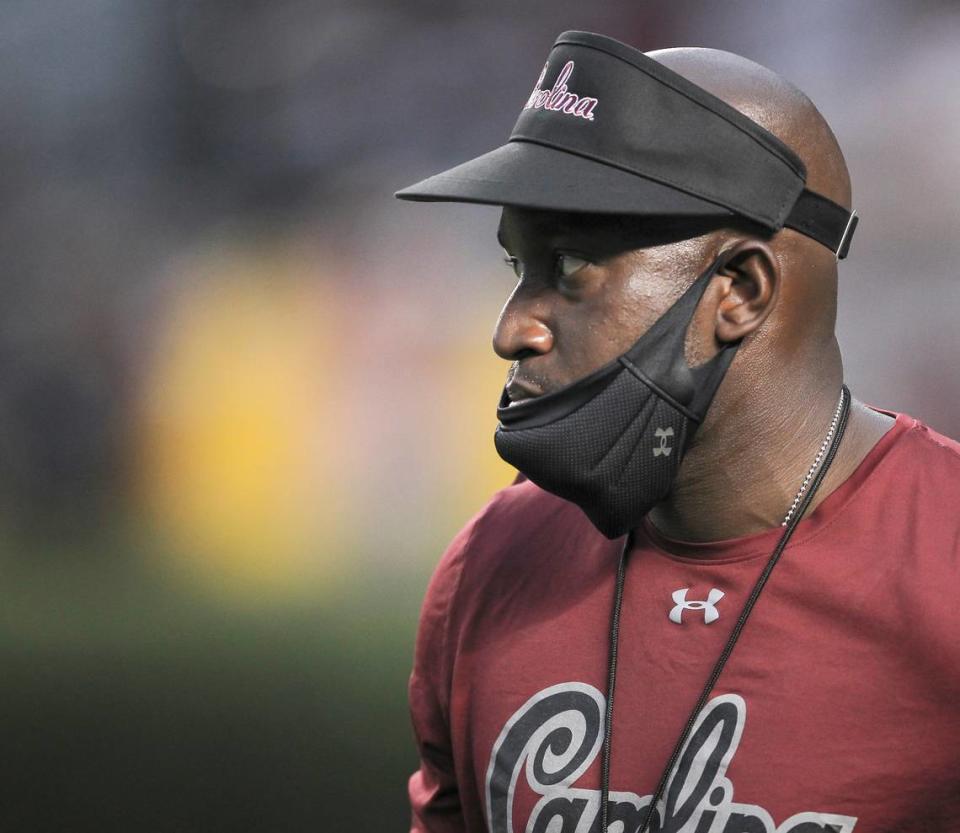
(522, 327)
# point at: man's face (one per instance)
(588, 287)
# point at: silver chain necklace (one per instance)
(816, 461)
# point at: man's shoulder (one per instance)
(926, 452)
(523, 514)
(910, 485)
(914, 505)
(922, 542)
(939, 444)
(519, 528)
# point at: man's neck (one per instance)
(743, 474)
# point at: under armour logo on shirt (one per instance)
(709, 607)
(662, 434)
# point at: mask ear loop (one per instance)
(710, 374)
(658, 358)
(724, 654)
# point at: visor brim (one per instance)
(529, 175)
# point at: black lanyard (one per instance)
(727, 649)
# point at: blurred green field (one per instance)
(129, 702)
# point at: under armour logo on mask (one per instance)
(709, 607)
(663, 448)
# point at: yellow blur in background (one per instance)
(258, 438)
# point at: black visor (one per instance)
(608, 129)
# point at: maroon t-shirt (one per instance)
(839, 709)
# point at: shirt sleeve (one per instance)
(433, 789)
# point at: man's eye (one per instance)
(514, 263)
(569, 265)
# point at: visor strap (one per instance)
(824, 220)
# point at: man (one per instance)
(675, 221)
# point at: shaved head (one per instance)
(772, 102)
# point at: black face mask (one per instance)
(612, 441)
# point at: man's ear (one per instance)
(748, 283)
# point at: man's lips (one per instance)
(518, 391)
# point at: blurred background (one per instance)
(247, 397)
